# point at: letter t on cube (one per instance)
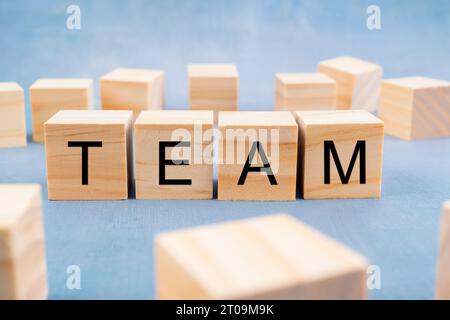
(88, 155)
(340, 154)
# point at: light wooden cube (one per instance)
(133, 89)
(304, 91)
(13, 132)
(416, 107)
(213, 87)
(358, 82)
(253, 140)
(272, 257)
(159, 150)
(443, 270)
(23, 270)
(89, 155)
(48, 96)
(341, 154)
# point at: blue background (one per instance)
(112, 241)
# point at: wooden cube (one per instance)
(443, 270)
(23, 270)
(13, 132)
(358, 82)
(415, 108)
(48, 96)
(340, 154)
(257, 155)
(89, 155)
(213, 87)
(174, 158)
(133, 89)
(272, 257)
(304, 91)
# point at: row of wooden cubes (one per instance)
(334, 154)
(23, 271)
(341, 83)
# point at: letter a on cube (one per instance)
(257, 155)
(174, 154)
(340, 154)
(89, 155)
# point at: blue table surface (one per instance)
(112, 242)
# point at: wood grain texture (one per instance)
(344, 128)
(23, 271)
(109, 166)
(304, 91)
(271, 257)
(150, 129)
(12, 116)
(416, 107)
(443, 269)
(48, 96)
(133, 89)
(213, 87)
(357, 82)
(239, 131)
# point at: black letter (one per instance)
(248, 168)
(84, 156)
(163, 162)
(359, 148)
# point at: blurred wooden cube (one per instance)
(48, 96)
(304, 91)
(89, 155)
(23, 270)
(358, 82)
(13, 132)
(257, 155)
(341, 154)
(172, 158)
(213, 87)
(272, 257)
(133, 89)
(416, 107)
(443, 270)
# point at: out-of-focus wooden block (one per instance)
(304, 91)
(48, 96)
(174, 154)
(213, 87)
(13, 132)
(257, 155)
(23, 270)
(358, 82)
(89, 155)
(340, 154)
(416, 107)
(133, 89)
(443, 270)
(272, 257)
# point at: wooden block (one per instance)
(341, 154)
(416, 107)
(174, 158)
(272, 257)
(257, 155)
(48, 96)
(213, 87)
(443, 270)
(304, 91)
(89, 155)
(133, 89)
(358, 82)
(13, 132)
(23, 271)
